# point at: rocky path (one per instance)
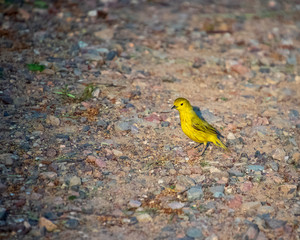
(90, 148)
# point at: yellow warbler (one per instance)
(194, 127)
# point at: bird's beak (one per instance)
(173, 107)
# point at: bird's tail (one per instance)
(219, 143)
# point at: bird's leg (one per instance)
(198, 145)
(204, 148)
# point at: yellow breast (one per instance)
(187, 128)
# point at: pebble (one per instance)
(236, 202)
(72, 223)
(75, 181)
(117, 152)
(52, 120)
(165, 124)
(279, 154)
(176, 205)
(296, 157)
(265, 210)
(230, 136)
(194, 233)
(123, 125)
(101, 123)
(105, 34)
(86, 128)
(8, 159)
(185, 181)
(246, 186)
(100, 162)
(236, 173)
(195, 193)
(250, 206)
(255, 168)
(288, 190)
(251, 233)
(48, 175)
(144, 218)
(50, 216)
(111, 55)
(96, 93)
(51, 152)
(134, 203)
(293, 114)
(92, 57)
(3, 214)
(274, 223)
(273, 165)
(217, 191)
(49, 225)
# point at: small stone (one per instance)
(274, 223)
(75, 181)
(44, 222)
(246, 186)
(50, 216)
(185, 181)
(194, 233)
(261, 236)
(251, 233)
(92, 57)
(72, 223)
(195, 193)
(93, 13)
(96, 93)
(111, 55)
(265, 210)
(172, 171)
(288, 190)
(176, 205)
(48, 175)
(123, 125)
(8, 159)
(82, 44)
(134, 203)
(296, 157)
(6, 99)
(230, 136)
(279, 154)
(250, 206)
(255, 168)
(273, 165)
(52, 120)
(165, 124)
(236, 202)
(86, 128)
(105, 34)
(240, 69)
(100, 162)
(217, 191)
(3, 214)
(117, 153)
(236, 173)
(51, 152)
(101, 123)
(293, 114)
(144, 218)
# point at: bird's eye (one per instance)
(181, 104)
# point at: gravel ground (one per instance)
(90, 148)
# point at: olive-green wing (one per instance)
(203, 126)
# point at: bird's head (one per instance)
(182, 104)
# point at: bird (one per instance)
(196, 128)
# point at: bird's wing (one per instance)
(203, 126)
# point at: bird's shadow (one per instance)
(199, 114)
